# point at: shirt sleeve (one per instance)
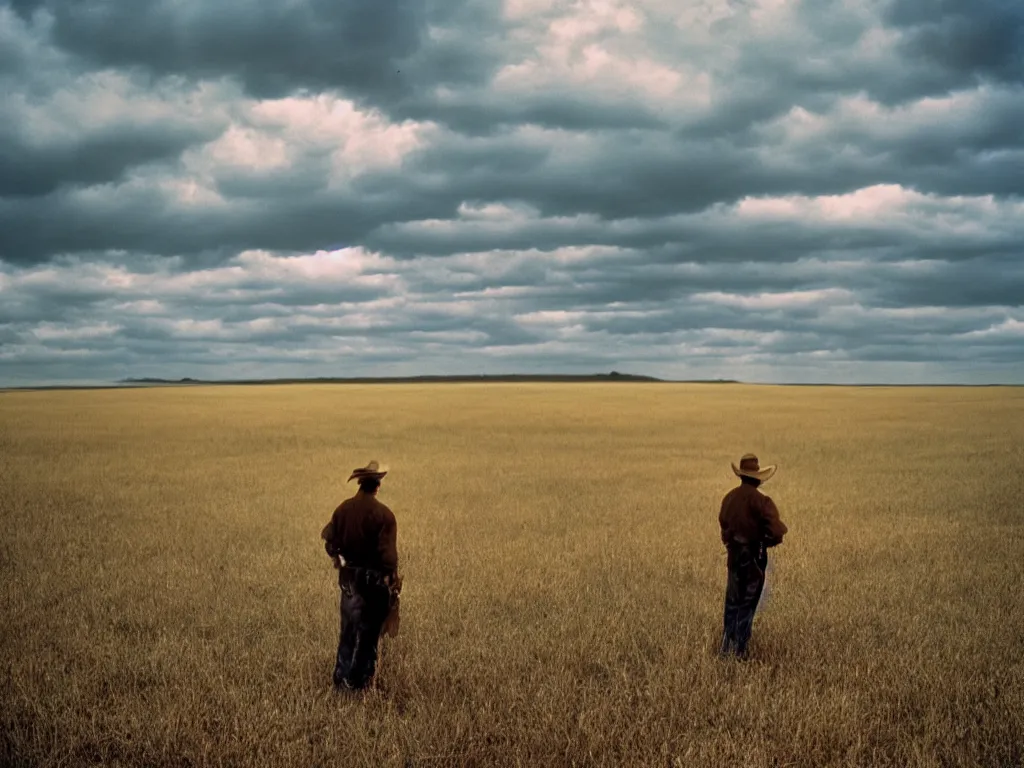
(774, 528)
(724, 525)
(327, 534)
(387, 543)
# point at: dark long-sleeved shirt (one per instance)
(748, 516)
(364, 532)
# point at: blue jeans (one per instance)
(747, 563)
(364, 606)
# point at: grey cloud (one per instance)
(645, 174)
(987, 124)
(662, 240)
(251, 295)
(940, 351)
(147, 220)
(21, 51)
(311, 45)
(977, 282)
(811, 60)
(378, 50)
(975, 38)
(34, 170)
(49, 137)
(942, 46)
(715, 236)
(619, 241)
(476, 117)
(617, 176)
(384, 53)
(304, 179)
(200, 359)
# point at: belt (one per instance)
(360, 573)
(744, 544)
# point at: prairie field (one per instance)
(166, 599)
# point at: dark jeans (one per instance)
(747, 563)
(364, 606)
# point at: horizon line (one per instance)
(553, 378)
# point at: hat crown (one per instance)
(371, 470)
(750, 463)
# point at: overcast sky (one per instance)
(765, 190)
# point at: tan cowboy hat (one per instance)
(372, 470)
(749, 467)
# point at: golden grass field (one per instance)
(167, 600)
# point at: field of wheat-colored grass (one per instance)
(166, 600)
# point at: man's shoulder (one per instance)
(382, 508)
(351, 503)
(733, 493)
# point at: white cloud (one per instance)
(781, 300)
(54, 332)
(1010, 329)
(596, 47)
(113, 102)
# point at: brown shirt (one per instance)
(748, 516)
(364, 532)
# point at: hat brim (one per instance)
(761, 474)
(366, 475)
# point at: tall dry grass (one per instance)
(166, 600)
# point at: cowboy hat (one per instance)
(371, 470)
(749, 467)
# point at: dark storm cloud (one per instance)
(981, 39)
(30, 170)
(61, 127)
(389, 54)
(978, 282)
(379, 50)
(641, 175)
(615, 180)
(254, 217)
(715, 236)
(478, 116)
(738, 189)
(614, 175)
(146, 220)
(828, 48)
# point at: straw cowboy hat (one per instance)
(371, 470)
(750, 468)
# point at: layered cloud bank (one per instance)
(763, 190)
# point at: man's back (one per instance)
(364, 532)
(748, 516)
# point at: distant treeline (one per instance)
(516, 377)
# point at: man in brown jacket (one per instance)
(750, 525)
(361, 540)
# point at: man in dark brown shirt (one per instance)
(750, 525)
(361, 541)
